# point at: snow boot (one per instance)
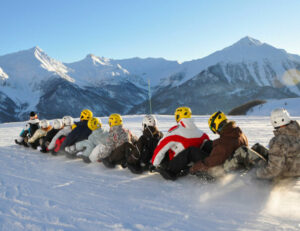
(107, 163)
(166, 174)
(135, 169)
(85, 159)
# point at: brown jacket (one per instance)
(231, 138)
(284, 153)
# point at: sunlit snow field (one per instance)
(42, 192)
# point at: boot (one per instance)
(107, 163)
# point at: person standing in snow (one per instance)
(31, 126)
(98, 136)
(140, 155)
(231, 138)
(283, 157)
(171, 157)
(118, 141)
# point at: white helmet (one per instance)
(57, 124)
(149, 121)
(44, 123)
(280, 117)
(68, 120)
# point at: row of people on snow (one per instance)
(185, 149)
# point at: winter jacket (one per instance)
(63, 132)
(50, 135)
(98, 136)
(30, 128)
(41, 132)
(284, 153)
(117, 136)
(144, 149)
(231, 138)
(179, 137)
(81, 132)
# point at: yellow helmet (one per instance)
(86, 114)
(115, 120)
(217, 121)
(94, 123)
(182, 112)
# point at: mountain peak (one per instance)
(248, 41)
(97, 60)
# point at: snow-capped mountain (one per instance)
(225, 79)
(246, 70)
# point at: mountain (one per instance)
(244, 71)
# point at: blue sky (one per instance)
(182, 30)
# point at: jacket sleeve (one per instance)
(63, 132)
(109, 146)
(163, 146)
(275, 163)
(38, 134)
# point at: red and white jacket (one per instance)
(179, 137)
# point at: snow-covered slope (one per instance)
(291, 104)
(42, 192)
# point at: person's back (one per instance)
(284, 153)
(231, 138)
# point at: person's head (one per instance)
(149, 121)
(280, 117)
(86, 114)
(217, 121)
(94, 123)
(115, 120)
(44, 124)
(33, 115)
(68, 121)
(182, 112)
(57, 124)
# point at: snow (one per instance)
(290, 104)
(3, 75)
(43, 192)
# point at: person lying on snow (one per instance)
(57, 140)
(80, 132)
(45, 141)
(283, 157)
(34, 141)
(139, 157)
(31, 126)
(84, 148)
(231, 138)
(119, 141)
(171, 156)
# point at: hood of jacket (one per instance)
(231, 130)
(292, 129)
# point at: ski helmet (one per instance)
(115, 120)
(149, 121)
(86, 114)
(44, 123)
(280, 117)
(182, 112)
(68, 120)
(57, 124)
(217, 121)
(94, 123)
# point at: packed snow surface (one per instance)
(43, 192)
